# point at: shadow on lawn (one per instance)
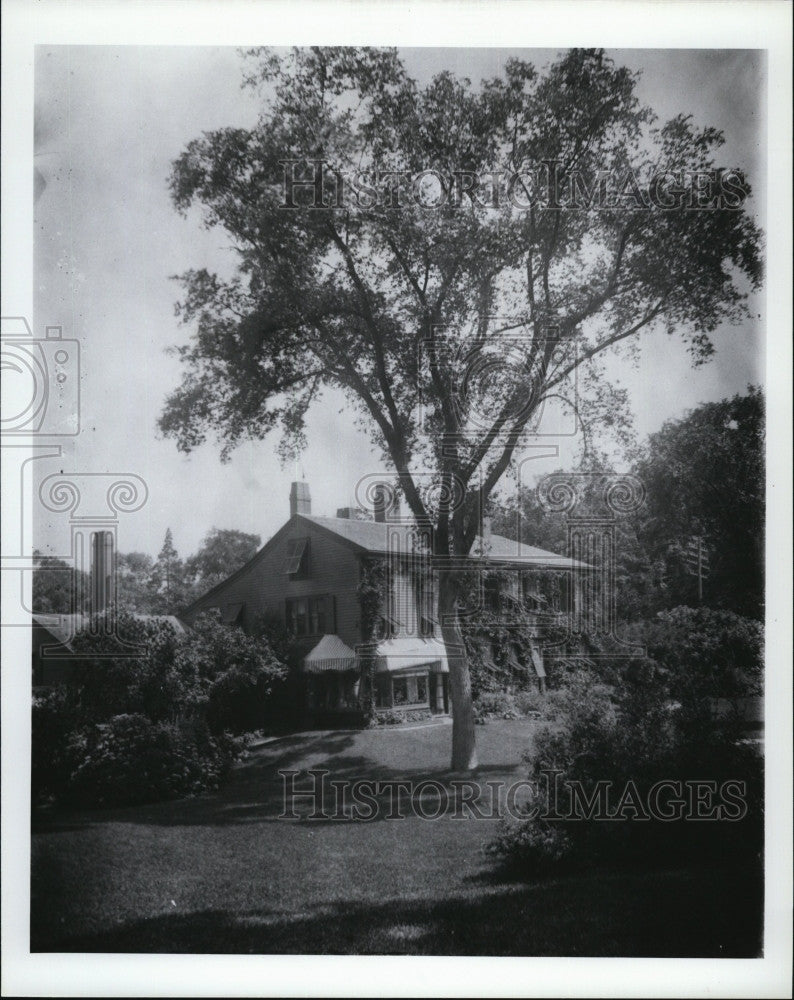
(715, 913)
(255, 789)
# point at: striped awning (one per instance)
(330, 653)
(401, 653)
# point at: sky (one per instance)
(109, 122)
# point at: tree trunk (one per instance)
(464, 750)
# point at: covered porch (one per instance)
(332, 676)
(410, 675)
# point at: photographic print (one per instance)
(389, 438)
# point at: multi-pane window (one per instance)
(296, 561)
(409, 690)
(311, 615)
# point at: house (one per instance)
(312, 577)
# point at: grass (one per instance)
(222, 873)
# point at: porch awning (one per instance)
(330, 653)
(398, 654)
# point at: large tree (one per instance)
(557, 222)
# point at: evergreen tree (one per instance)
(167, 581)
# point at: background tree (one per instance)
(222, 552)
(167, 580)
(56, 585)
(405, 304)
(133, 582)
(704, 475)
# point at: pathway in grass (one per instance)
(222, 873)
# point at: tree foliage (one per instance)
(704, 476)
(55, 585)
(134, 588)
(167, 579)
(212, 670)
(169, 584)
(222, 552)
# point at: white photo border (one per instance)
(531, 23)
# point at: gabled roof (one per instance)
(378, 538)
(374, 537)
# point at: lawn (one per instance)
(222, 873)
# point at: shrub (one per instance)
(131, 760)
(508, 705)
(708, 654)
(214, 671)
(137, 721)
(417, 715)
(387, 718)
(530, 703)
(141, 675)
(496, 704)
(236, 673)
(630, 737)
(57, 742)
(538, 846)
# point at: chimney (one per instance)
(300, 500)
(101, 569)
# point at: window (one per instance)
(387, 627)
(296, 562)
(311, 615)
(410, 690)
